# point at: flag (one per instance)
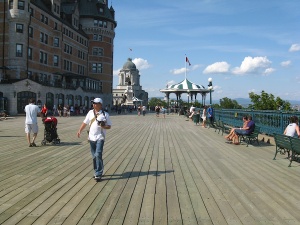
(188, 61)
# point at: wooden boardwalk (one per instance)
(157, 171)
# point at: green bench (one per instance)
(249, 138)
(283, 145)
(286, 144)
(221, 127)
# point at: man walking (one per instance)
(31, 125)
(99, 122)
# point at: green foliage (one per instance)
(267, 101)
(227, 103)
(157, 101)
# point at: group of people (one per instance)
(248, 128)
(207, 112)
(160, 109)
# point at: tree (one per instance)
(156, 101)
(227, 103)
(267, 101)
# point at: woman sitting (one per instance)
(292, 129)
(231, 133)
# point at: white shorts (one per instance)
(31, 128)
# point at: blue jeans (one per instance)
(96, 151)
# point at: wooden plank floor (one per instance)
(157, 171)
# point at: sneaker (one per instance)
(97, 178)
(33, 144)
(30, 145)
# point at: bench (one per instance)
(283, 144)
(287, 144)
(249, 138)
(295, 142)
(220, 126)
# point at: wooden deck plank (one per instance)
(157, 171)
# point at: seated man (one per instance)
(243, 131)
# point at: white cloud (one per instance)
(269, 71)
(294, 48)
(285, 63)
(252, 65)
(182, 70)
(218, 67)
(141, 64)
(178, 71)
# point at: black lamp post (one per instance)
(210, 87)
(188, 95)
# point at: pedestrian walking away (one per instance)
(31, 123)
(98, 121)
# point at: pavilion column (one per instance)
(168, 99)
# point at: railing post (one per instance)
(281, 121)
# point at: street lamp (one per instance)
(210, 87)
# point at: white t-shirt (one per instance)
(291, 130)
(96, 132)
(31, 111)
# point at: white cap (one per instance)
(97, 100)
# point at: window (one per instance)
(29, 53)
(19, 50)
(97, 67)
(56, 42)
(21, 5)
(43, 58)
(19, 28)
(11, 4)
(44, 38)
(55, 26)
(31, 11)
(30, 32)
(105, 24)
(95, 23)
(98, 51)
(55, 60)
(67, 65)
(44, 19)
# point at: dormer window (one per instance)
(101, 10)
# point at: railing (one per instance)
(269, 121)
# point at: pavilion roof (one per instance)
(185, 86)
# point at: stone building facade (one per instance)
(56, 51)
(129, 90)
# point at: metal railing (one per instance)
(269, 121)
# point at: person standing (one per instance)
(60, 110)
(54, 110)
(99, 122)
(144, 110)
(204, 117)
(31, 123)
(210, 115)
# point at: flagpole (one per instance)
(185, 65)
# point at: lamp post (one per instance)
(188, 95)
(210, 87)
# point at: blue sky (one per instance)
(242, 45)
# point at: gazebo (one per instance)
(188, 87)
